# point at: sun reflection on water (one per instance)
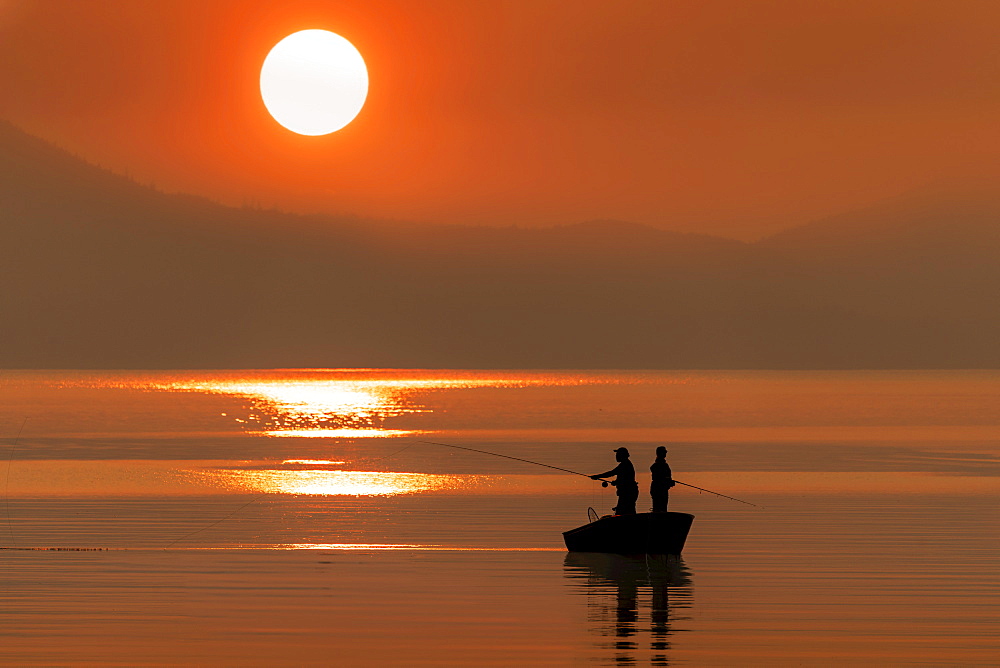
(334, 483)
(407, 546)
(340, 433)
(327, 403)
(318, 408)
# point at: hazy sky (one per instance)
(727, 117)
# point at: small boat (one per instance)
(643, 533)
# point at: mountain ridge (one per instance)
(103, 272)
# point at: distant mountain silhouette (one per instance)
(100, 272)
(917, 279)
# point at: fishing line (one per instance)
(518, 459)
(259, 496)
(559, 468)
(6, 498)
(388, 456)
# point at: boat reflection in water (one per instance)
(632, 601)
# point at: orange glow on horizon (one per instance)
(464, 129)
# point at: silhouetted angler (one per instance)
(627, 488)
(663, 480)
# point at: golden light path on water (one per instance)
(327, 407)
(347, 547)
(404, 546)
(340, 433)
(335, 483)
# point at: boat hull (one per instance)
(644, 533)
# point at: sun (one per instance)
(314, 82)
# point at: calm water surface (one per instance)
(297, 517)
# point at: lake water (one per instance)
(298, 517)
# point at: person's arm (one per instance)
(598, 476)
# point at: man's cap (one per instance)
(624, 450)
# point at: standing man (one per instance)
(627, 489)
(663, 480)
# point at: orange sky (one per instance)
(725, 117)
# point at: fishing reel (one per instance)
(604, 483)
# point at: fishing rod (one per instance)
(702, 489)
(517, 459)
(604, 482)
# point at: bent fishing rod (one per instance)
(559, 468)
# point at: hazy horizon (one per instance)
(728, 119)
(965, 192)
(108, 273)
(939, 191)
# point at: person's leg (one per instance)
(661, 502)
(626, 501)
(661, 497)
